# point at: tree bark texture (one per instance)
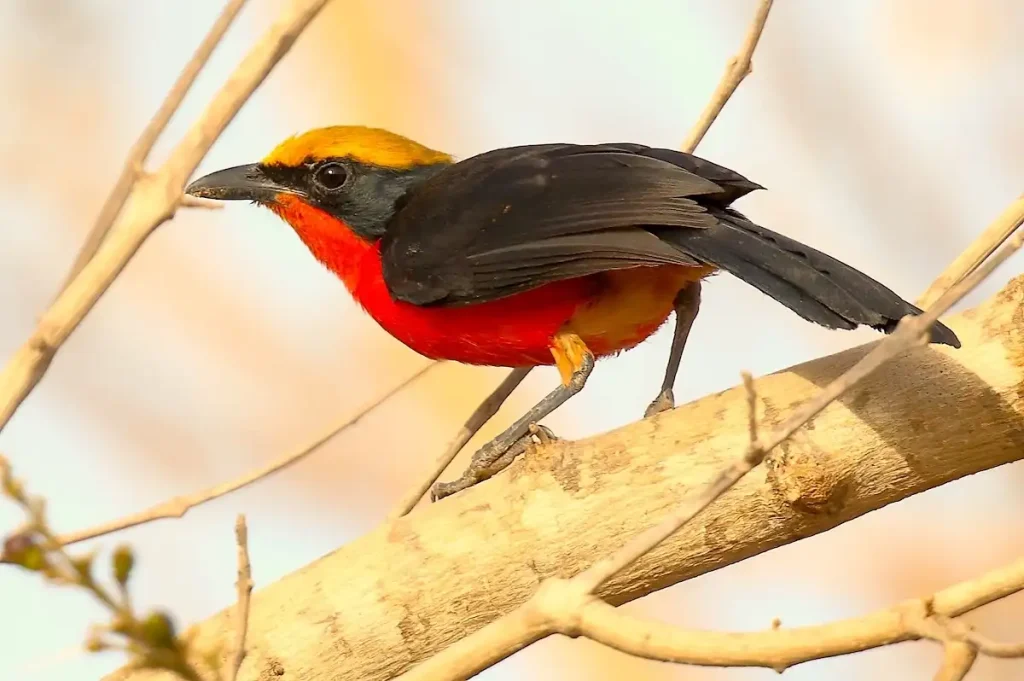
(377, 606)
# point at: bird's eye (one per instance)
(331, 176)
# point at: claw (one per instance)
(489, 461)
(543, 434)
(663, 402)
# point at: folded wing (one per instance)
(513, 219)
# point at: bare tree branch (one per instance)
(152, 200)
(777, 648)
(558, 605)
(558, 602)
(395, 597)
(133, 165)
(179, 506)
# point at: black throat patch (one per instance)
(367, 196)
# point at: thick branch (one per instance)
(398, 595)
(561, 602)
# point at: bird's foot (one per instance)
(490, 460)
(663, 402)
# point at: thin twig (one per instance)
(133, 165)
(154, 198)
(179, 506)
(748, 386)
(488, 408)
(947, 629)
(975, 254)
(244, 588)
(994, 648)
(149, 640)
(780, 648)
(559, 606)
(739, 67)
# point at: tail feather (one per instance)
(812, 284)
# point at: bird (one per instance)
(544, 254)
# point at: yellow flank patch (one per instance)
(632, 305)
(569, 351)
(365, 145)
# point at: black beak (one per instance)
(241, 183)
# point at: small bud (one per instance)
(123, 561)
(120, 624)
(22, 549)
(94, 644)
(158, 630)
(13, 488)
(17, 544)
(83, 566)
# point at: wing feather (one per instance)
(514, 219)
(473, 231)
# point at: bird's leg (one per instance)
(686, 305)
(575, 363)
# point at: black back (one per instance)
(514, 219)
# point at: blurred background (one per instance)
(888, 132)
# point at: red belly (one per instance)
(513, 331)
(610, 311)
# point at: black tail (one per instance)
(816, 286)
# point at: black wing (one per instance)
(513, 219)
